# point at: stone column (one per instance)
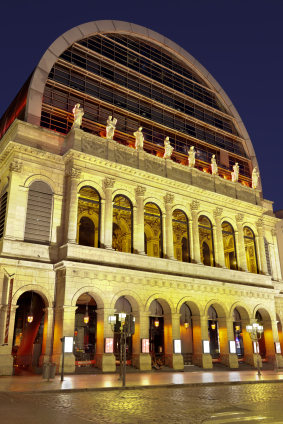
(271, 336)
(139, 221)
(168, 228)
(200, 333)
(108, 217)
(13, 199)
(6, 358)
(172, 332)
(226, 334)
(276, 255)
(196, 245)
(219, 254)
(242, 259)
(140, 360)
(104, 361)
(64, 326)
(47, 342)
(191, 241)
(74, 175)
(250, 357)
(101, 224)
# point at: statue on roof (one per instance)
(139, 139)
(214, 167)
(192, 158)
(168, 148)
(255, 176)
(78, 116)
(110, 127)
(235, 173)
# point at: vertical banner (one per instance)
(9, 310)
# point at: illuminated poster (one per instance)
(145, 345)
(69, 342)
(109, 344)
(232, 346)
(177, 346)
(256, 347)
(206, 346)
(277, 347)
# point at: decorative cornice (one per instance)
(239, 217)
(169, 198)
(195, 205)
(15, 166)
(74, 173)
(108, 182)
(218, 211)
(140, 191)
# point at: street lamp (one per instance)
(255, 331)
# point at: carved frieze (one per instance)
(94, 145)
(126, 155)
(154, 165)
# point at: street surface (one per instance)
(249, 403)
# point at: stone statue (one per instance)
(139, 139)
(78, 116)
(168, 149)
(235, 173)
(214, 167)
(192, 159)
(255, 176)
(110, 127)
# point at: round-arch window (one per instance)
(153, 230)
(206, 241)
(229, 246)
(88, 217)
(180, 235)
(250, 249)
(122, 237)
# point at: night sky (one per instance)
(238, 41)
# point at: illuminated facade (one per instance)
(91, 226)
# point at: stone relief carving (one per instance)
(235, 173)
(140, 191)
(78, 116)
(109, 182)
(217, 212)
(94, 144)
(239, 217)
(139, 139)
(195, 205)
(15, 166)
(126, 155)
(169, 198)
(214, 167)
(110, 128)
(168, 149)
(192, 157)
(73, 173)
(274, 232)
(255, 176)
(155, 165)
(259, 222)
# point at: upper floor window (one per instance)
(181, 236)
(206, 241)
(250, 248)
(3, 209)
(268, 261)
(122, 239)
(229, 246)
(39, 211)
(88, 233)
(153, 230)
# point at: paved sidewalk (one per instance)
(35, 383)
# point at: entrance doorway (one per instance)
(156, 333)
(213, 333)
(238, 335)
(122, 305)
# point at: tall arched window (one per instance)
(39, 209)
(181, 236)
(3, 208)
(88, 233)
(249, 239)
(153, 230)
(229, 246)
(122, 239)
(206, 241)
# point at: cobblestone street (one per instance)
(192, 405)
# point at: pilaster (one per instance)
(196, 245)
(139, 221)
(108, 219)
(219, 252)
(74, 175)
(242, 259)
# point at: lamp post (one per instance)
(126, 329)
(255, 331)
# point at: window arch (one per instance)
(3, 209)
(229, 246)
(153, 230)
(122, 238)
(181, 236)
(249, 239)
(88, 232)
(39, 210)
(206, 241)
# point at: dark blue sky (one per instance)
(239, 42)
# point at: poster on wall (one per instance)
(232, 346)
(206, 346)
(177, 346)
(145, 345)
(68, 345)
(277, 347)
(109, 344)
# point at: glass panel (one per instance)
(250, 250)
(180, 236)
(152, 229)
(152, 209)
(88, 217)
(248, 232)
(122, 225)
(122, 201)
(85, 333)
(227, 227)
(229, 246)
(204, 221)
(206, 241)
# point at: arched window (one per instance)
(39, 209)
(229, 246)
(153, 230)
(249, 239)
(122, 239)
(88, 233)
(206, 241)
(3, 208)
(181, 236)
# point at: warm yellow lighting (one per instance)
(186, 324)
(86, 318)
(156, 322)
(30, 318)
(213, 326)
(237, 328)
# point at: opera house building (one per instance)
(129, 186)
